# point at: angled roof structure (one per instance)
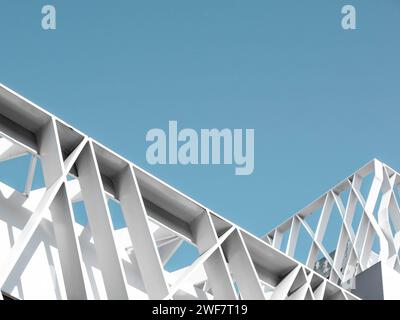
(46, 254)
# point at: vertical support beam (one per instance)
(361, 234)
(136, 219)
(369, 206)
(320, 232)
(100, 224)
(215, 266)
(350, 211)
(31, 173)
(324, 218)
(242, 267)
(312, 256)
(61, 212)
(277, 239)
(367, 246)
(341, 250)
(293, 236)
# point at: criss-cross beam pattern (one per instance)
(45, 253)
(350, 228)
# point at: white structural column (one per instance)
(277, 239)
(100, 224)
(242, 267)
(319, 233)
(373, 226)
(346, 235)
(61, 212)
(215, 266)
(293, 236)
(136, 220)
(383, 215)
(31, 173)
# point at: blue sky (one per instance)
(323, 101)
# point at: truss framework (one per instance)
(98, 262)
(368, 220)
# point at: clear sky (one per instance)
(323, 101)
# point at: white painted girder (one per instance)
(100, 224)
(98, 264)
(142, 239)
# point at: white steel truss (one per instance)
(46, 254)
(367, 225)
